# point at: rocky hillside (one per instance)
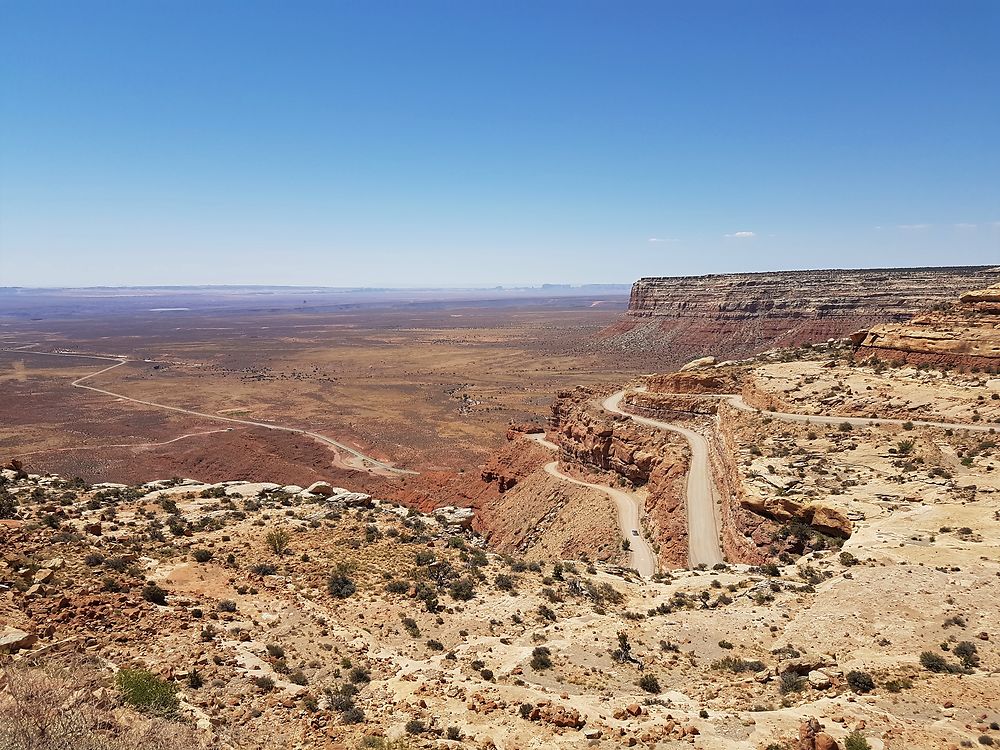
(962, 335)
(671, 320)
(252, 616)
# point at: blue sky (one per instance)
(449, 143)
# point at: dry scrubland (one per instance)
(426, 389)
(378, 624)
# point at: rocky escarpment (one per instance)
(673, 319)
(964, 335)
(591, 440)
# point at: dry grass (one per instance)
(71, 706)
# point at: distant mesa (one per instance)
(672, 320)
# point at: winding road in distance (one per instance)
(641, 555)
(700, 494)
(119, 361)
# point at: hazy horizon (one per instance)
(444, 144)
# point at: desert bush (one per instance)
(353, 715)
(153, 593)
(463, 589)
(968, 653)
(847, 559)
(201, 555)
(860, 682)
(541, 658)
(277, 540)
(453, 733)
(340, 584)
(410, 625)
(424, 557)
(792, 683)
(397, 586)
(227, 605)
(147, 692)
(738, 666)
(504, 582)
(525, 710)
(8, 505)
(264, 682)
(649, 683)
(934, 662)
(359, 674)
(275, 650)
(856, 741)
(264, 569)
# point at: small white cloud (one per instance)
(663, 239)
(964, 225)
(741, 235)
(913, 227)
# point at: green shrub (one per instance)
(738, 666)
(792, 683)
(934, 662)
(339, 584)
(541, 658)
(856, 741)
(153, 593)
(968, 653)
(353, 715)
(649, 683)
(463, 589)
(146, 692)
(359, 674)
(277, 540)
(860, 682)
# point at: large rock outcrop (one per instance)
(592, 441)
(965, 335)
(671, 320)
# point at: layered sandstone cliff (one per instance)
(673, 319)
(964, 335)
(652, 461)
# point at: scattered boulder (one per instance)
(819, 680)
(14, 639)
(320, 488)
(697, 364)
